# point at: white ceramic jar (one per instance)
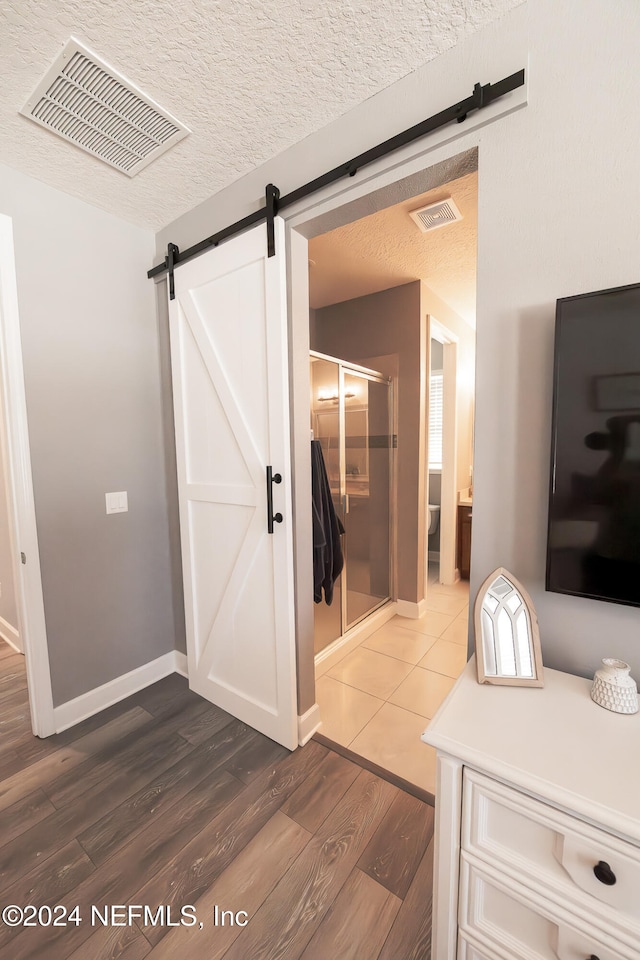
(613, 688)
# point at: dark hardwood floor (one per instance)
(167, 802)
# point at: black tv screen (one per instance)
(593, 545)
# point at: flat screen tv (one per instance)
(593, 545)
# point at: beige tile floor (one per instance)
(379, 698)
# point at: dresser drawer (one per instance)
(509, 922)
(469, 951)
(537, 844)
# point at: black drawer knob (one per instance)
(593, 957)
(604, 873)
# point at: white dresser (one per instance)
(537, 824)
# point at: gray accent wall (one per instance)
(92, 364)
(387, 325)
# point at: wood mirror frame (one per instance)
(528, 670)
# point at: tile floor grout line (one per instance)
(409, 663)
(367, 723)
(360, 690)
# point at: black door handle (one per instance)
(271, 516)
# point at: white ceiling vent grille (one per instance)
(84, 100)
(436, 215)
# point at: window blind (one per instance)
(435, 420)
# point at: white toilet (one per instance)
(434, 517)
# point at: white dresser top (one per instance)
(552, 741)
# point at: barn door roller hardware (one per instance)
(481, 97)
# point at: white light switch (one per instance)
(117, 502)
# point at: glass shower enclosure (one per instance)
(351, 416)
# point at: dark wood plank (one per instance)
(317, 796)
(12, 663)
(114, 943)
(357, 924)
(140, 763)
(11, 762)
(43, 771)
(106, 762)
(121, 824)
(249, 764)
(24, 815)
(15, 726)
(158, 697)
(13, 678)
(410, 935)
(186, 704)
(240, 887)
(123, 874)
(292, 913)
(213, 720)
(12, 671)
(32, 748)
(14, 700)
(202, 861)
(398, 846)
(48, 884)
(51, 879)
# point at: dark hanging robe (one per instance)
(327, 527)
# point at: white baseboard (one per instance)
(11, 635)
(308, 723)
(74, 711)
(181, 664)
(406, 608)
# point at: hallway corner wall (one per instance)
(93, 392)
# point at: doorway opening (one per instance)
(400, 303)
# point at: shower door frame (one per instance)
(366, 373)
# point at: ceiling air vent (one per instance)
(86, 101)
(436, 215)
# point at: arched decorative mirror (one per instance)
(507, 635)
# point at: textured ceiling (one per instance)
(248, 77)
(387, 249)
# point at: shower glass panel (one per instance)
(351, 416)
(367, 485)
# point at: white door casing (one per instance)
(448, 484)
(19, 487)
(231, 403)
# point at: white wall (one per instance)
(558, 210)
(559, 195)
(92, 377)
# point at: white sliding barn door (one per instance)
(230, 385)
